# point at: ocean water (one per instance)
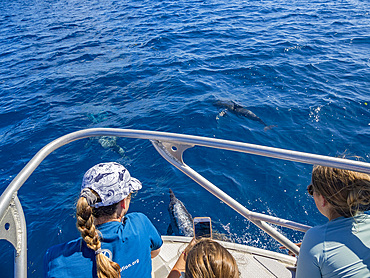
(67, 65)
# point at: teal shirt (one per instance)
(339, 248)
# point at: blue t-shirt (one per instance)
(339, 248)
(127, 243)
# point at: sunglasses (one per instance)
(310, 189)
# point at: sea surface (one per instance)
(66, 65)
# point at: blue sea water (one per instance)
(66, 65)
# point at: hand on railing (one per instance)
(290, 252)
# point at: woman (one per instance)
(205, 258)
(112, 242)
(341, 247)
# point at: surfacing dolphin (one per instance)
(181, 220)
(229, 105)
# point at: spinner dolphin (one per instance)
(239, 111)
(181, 219)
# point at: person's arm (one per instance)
(309, 254)
(290, 253)
(154, 236)
(155, 252)
(181, 261)
(178, 267)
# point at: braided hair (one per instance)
(85, 224)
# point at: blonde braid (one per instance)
(85, 224)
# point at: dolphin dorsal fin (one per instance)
(172, 195)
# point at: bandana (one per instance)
(111, 181)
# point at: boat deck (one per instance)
(252, 262)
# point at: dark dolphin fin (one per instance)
(172, 195)
(169, 230)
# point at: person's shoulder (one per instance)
(66, 245)
(312, 243)
(315, 234)
(63, 248)
(317, 229)
(137, 216)
(140, 221)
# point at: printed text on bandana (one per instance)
(129, 265)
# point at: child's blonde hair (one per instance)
(208, 259)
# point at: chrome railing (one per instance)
(171, 146)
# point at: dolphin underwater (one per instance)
(181, 220)
(107, 142)
(111, 143)
(239, 110)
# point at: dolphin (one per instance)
(107, 142)
(239, 110)
(181, 220)
(111, 143)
